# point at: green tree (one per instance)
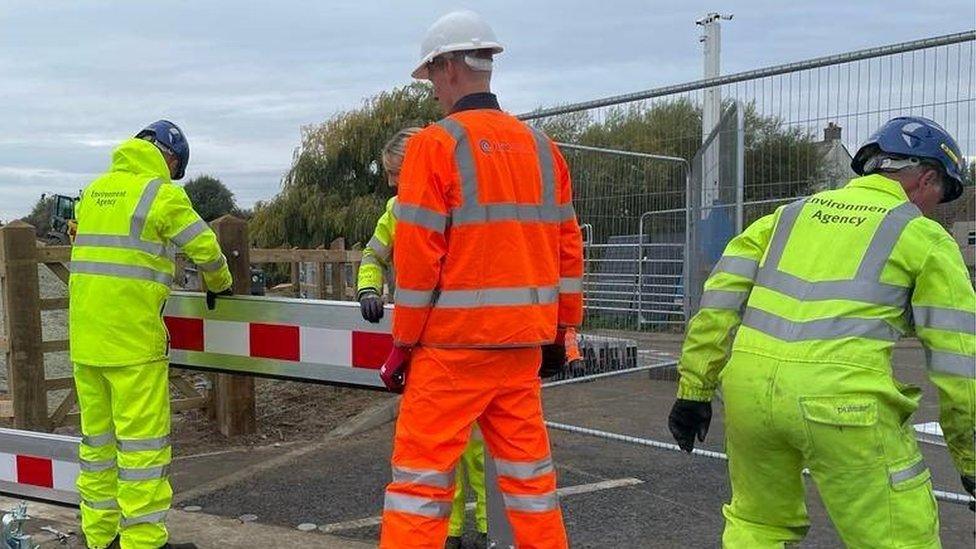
(40, 216)
(335, 186)
(210, 198)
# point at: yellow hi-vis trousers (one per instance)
(471, 467)
(124, 454)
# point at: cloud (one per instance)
(241, 78)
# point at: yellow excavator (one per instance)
(63, 226)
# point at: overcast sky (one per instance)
(241, 78)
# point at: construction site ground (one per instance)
(614, 494)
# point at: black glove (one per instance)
(689, 418)
(371, 305)
(969, 483)
(212, 298)
(553, 360)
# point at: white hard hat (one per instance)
(456, 31)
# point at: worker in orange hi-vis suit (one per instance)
(488, 265)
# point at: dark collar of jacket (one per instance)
(482, 100)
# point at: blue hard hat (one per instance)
(919, 138)
(169, 137)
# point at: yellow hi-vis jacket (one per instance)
(378, 254)
(129, 221)
(837, 279)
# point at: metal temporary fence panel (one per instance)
(715, 199)
(306, 340)
(39, 466)
(630, 207)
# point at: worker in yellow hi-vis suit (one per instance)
(377, 260)
(130, 221)
(820, 291)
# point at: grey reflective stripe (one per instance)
(954, 364)
(213, 266)
(144, 473)
(138, 445)
(413, 298)
(141, 212)
(883, 242)
(124, 242)
(741, 266)
(370, 260)
(546, 167)
(96, 466)
(464, 159)
(103, 505)
(418, 215)
(381, 250)
(506, 212)
(124, 271)
(439, 479)
(533, 504)
(489, 297)
(524, 470)
(940, 318)
(151, 518)
(570, 285)
(824, 329)
(97, 441)
(194, 230)
(472, 211)
(567, 212)
(908, 473)
(868, 291)
(416, 505)
(724, 299)
(787, 218)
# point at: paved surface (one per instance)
(340, 484)
(337, 483)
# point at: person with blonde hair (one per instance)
(377, 258)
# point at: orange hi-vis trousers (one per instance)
(447, 391)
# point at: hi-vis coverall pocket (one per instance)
(843, 431)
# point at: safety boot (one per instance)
(179, 546)
(453, 542)
(481, 541)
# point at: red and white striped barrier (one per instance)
(307, 340)
(39, 466)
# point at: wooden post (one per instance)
(234, 394)
(338, 274)
(22, 318)
(355, 271)
(296, 284)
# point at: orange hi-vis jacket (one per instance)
(488, 252)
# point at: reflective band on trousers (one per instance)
(146, 473)
(908, 473)
(940, 318)
(138, 445)
(97, 441)
(524, 470)
(953, 364)
(439, 479)
(533, 504)
(381, 250)
(417, 505)
(822, 329)
(96, 466)
(418, 215)
(120, 270)
(151, 518)
(104, 505)
(471, 211)
(866, 286)
(570, 285)
(724, 299)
